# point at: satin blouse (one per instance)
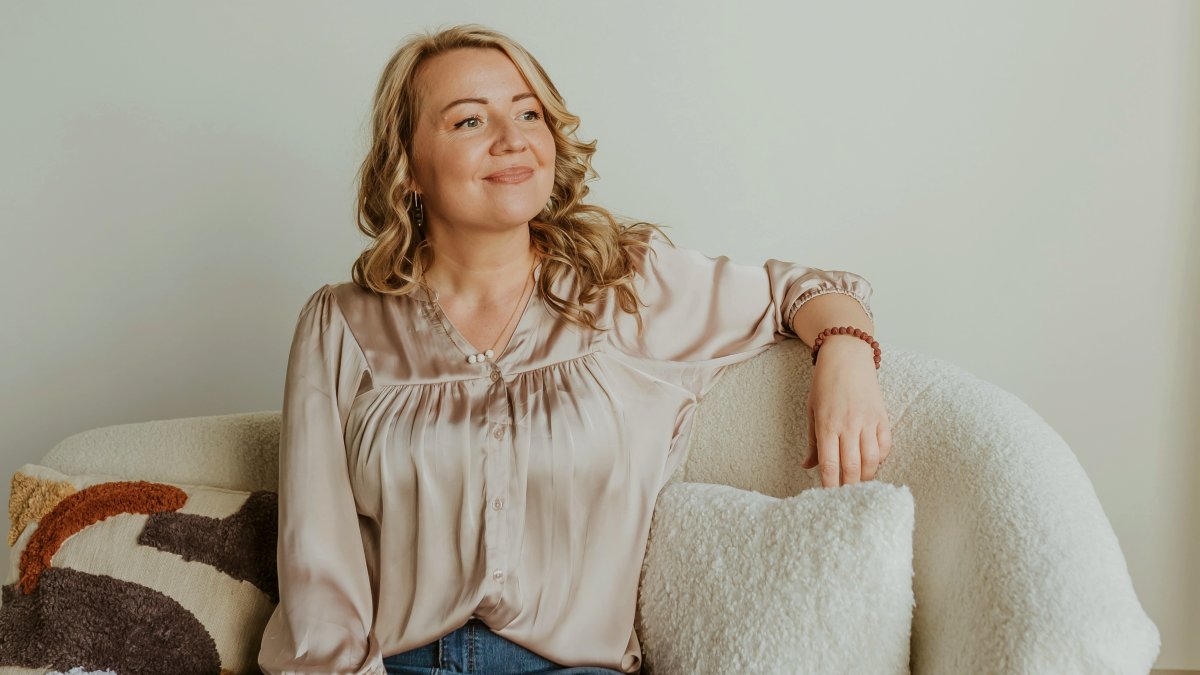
(417, 490)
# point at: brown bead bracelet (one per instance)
(846, 330)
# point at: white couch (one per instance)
(1017, 569)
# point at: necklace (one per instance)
(488, 353)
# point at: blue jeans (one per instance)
(474, 648)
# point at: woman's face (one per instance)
(458, 144)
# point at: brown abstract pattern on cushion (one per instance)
(64, 618)
(30, 499)
(90, 505)
(97, 622)
(220, 542)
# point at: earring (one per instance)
(419, 206)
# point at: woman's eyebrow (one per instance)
(484, 101)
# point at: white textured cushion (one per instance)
(736, 581)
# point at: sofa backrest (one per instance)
(749, 431)
(239, 451)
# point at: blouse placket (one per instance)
(498, 455)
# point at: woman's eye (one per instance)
(475, 118)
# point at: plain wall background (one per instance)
(1019, 180)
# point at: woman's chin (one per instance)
(516, 216)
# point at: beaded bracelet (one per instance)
(845, 330)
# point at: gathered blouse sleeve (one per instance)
(705, 313)
(323, 622)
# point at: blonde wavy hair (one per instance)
(568, 234)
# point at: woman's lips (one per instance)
(511, 176)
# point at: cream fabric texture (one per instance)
(417, 489)
(736, 581)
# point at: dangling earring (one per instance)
(419, 206)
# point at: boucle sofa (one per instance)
(1015, 568)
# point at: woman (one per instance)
(475, 430)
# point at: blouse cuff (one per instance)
(822, 290)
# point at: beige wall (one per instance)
(1018, 180)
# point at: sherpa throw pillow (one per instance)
(109, 574)
(736, 581)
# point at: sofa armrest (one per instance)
(1017, 568)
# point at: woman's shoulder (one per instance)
(349, 293)
(365, 309)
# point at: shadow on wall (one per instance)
(1189, 373)
(1188, 385)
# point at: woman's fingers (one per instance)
(829, 456)
(848, 457)
(851, 459)
(885, 440)
(870, 452)
(810, 456)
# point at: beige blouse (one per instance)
(417, 490)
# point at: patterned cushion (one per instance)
(114, 575)
(736, 581)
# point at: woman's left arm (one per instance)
(706, 313)
(848, 429)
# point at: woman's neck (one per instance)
(478, 273)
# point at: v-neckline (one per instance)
(459, 339)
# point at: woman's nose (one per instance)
(509, 136)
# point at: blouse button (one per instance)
(497, 503)
(499, 432)
(498, 575)
(495, 375)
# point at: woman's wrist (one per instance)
(831, 340)
(848, 346)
